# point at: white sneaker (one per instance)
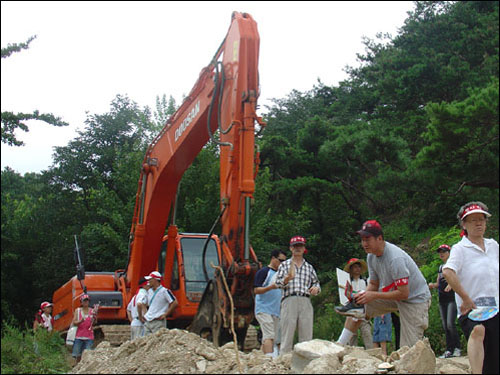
(275, 351)
(457, 352)
(446, 354)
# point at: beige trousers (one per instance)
(414, 317)
(296, 311)
(366, 335)
(153, 326)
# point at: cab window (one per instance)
(192, 252)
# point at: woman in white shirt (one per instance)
(472, 272)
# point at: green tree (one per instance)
(164, 109)
(101, 167)
(465, 131)
(12, 121)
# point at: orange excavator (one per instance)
(221, 107)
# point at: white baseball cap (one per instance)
(153, 275)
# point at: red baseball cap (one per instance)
(296, 240)
(45, 304)
(84, 296)
(370, 228)
(443, 247)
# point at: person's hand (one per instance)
(467, 305)
(448, 288)
(314, 290)
(364, 297)
(272, 286)
(291, 271)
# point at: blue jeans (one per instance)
(80, 345)
(448, 311)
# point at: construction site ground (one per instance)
(177, 351)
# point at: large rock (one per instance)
(396, 356)
(353, 365)
(420, 359)
(326, 364)
(451, 369)
(359, 361)
(453, 365)
(376, 352)
(307, 351)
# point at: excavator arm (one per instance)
(223, 102)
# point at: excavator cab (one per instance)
(187, 270)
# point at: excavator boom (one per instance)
(224, 98)
(221, 107)
(223, 101)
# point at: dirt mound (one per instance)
(176, 352)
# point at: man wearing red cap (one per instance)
(133, 310)
(472, 272)
(298, 280)
(161, 303)
(44, 317)
(396, 284)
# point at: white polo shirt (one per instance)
(477, 271)
(158, 300)
(132, 306)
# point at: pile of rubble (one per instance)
(175, 351)
(325, 357)
(180, 352)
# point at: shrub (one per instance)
(28, 352)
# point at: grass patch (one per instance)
(28, 352)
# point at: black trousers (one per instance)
(490, 343)
(448, 311)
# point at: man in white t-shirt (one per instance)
(161, 303)
(136, 324)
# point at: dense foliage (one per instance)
(410, 136)
(38, 352)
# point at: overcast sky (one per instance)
(86, 53)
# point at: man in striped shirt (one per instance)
(298, 280)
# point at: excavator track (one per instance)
(251, 339)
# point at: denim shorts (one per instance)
(80, 345)
(382, 331)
